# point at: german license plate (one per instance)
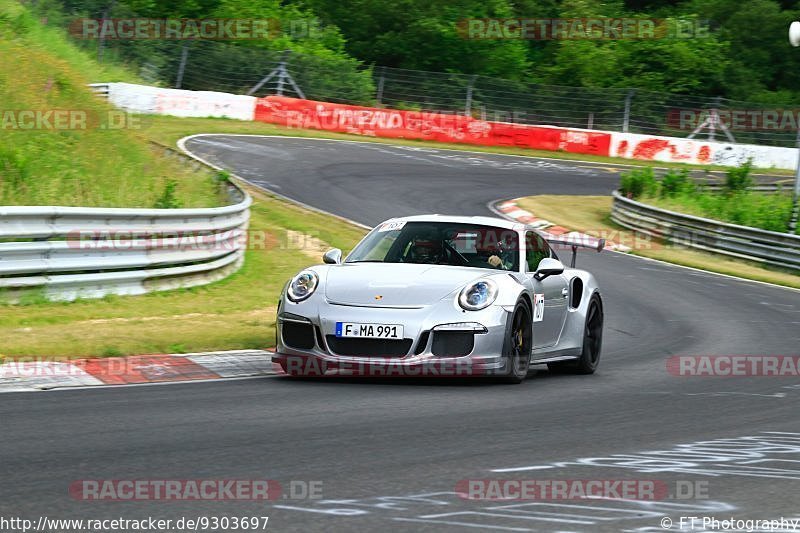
(369, 331)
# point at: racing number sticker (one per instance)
(391, 226)
(538, 307)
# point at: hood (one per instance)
(396, 284)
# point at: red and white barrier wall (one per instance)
(677, 150)
(391, 123)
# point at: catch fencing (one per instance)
(205, 65)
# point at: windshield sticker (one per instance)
(392, 226)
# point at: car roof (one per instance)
(482, 221)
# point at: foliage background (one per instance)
(745, 56)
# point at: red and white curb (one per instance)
(511, 210)
(31, 374)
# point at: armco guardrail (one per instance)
(769, 247)
(77, 252)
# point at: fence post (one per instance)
(281, 73)
(796, 194)
(181, 66)
(101, 43)
(626, 118)
(381, 81)
(288, 77)
(468, 104)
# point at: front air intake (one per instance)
(355, 347)
(298, 335)
(452, 343)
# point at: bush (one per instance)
(736, 205)
(638, 182)
(746, 208)
(168, 198)
(222, 177)
(675, 182)
(738, 179)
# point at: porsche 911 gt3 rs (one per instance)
(442, 295)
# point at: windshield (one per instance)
(440, 243)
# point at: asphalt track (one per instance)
(390, 453)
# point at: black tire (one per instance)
(592, 342)
(518, 344)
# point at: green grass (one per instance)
(766, 211)
(41, 72)
(18, 20)
(735, 203)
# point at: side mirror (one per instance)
(548, 267)
(332, 257)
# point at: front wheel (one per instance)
(518, 344)
(592, 342)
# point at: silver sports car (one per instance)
(442, 296)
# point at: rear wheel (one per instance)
(592, 342)
(518, 344)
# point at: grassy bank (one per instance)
(591, 214)
(61, 145)
(100, 165)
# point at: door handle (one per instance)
(564, 291)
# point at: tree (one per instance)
(419, 34)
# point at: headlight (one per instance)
(477, 295)
(302, 286)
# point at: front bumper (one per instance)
(436, 340)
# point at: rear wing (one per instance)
(574, 241)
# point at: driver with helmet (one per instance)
(426, 250)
